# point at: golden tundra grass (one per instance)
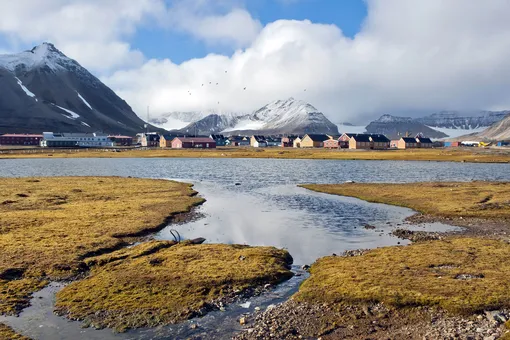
(8, 334)
(477, 155)
(446, 199)
(48, 226)
(422, 274)
(159, 283)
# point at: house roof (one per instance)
(217, 137)
(318, 138)
(348, 134)
(424, 140)
(259, 138)
(121, 137)
(379, 138)
(409, 140)
(361, 137)
(195, 139)
(21, 135)
(169, 137)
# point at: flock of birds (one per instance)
(210, 83)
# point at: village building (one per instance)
(424, 143)
(297, 142)
(288, 141)
(219, 139)
(503, 143)
(343, 141)
(150, 139)
(379, 142)
(273, 141)
(452, 144)
(394, 143)
(165, 141)
(331, 144)
(314, 141)
(258, 141)
(360, 141)
(193, 143)
(238, 141)
(86, 140)
(121, 140)
(407, 143)
(20, 139)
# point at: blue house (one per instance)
(219, 139)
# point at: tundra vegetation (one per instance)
(460, 275)
(475, 155)
(49, 226)
(159, 283)
(488, 200)
(8, 333)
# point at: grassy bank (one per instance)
(48, 226)
(159, 282)
(463, 276)
(488, 200)
(476, 155)
(8, 334)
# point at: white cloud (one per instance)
(89, 31)
(411, 56)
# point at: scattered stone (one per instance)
(369, 227)
(242, 321)
(305, 267)
(242, 258)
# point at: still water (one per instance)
(256, 202)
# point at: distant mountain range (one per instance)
(44, 90)
(289, 116)
(438, 126)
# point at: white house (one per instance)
(91, 140)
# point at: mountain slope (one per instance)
(395, 127)
(289, 116)
(498, 131)
(456, 120)
(43, 90)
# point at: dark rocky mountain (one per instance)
(289, 116)
(43, 90)
(463, 121)
(395, 127)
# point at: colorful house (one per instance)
(219, 139)
(331, 144)
(314, 141)
(297, 142)
(343, 141)
(425, 143)
(121, 140)
(20, 139)
(258, 141)
(360, 141)
(407, 143)
(193, 143)
(165, 141)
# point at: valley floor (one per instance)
(475, 155)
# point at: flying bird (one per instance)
(245, 88)
(210, 82)
(216, 83)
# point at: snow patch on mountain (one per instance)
(73, 114)
(392, 119)
(43, 55)
(84, 124)
(23, 87)
(246, 124)
(83, 100)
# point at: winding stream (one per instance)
(256, 202)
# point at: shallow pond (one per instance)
(256, 202)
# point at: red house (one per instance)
(193, 143)
(331, 144)
(20, 139)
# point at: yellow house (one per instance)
(314, 141)
(297, 142)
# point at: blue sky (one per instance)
(348, 15)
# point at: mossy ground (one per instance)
(447, 199)
(7, 333)
(477, 155)
(160, 283)
(463, 275)
(48, 226)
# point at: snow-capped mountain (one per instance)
(395, 127)
(289, 116)
(463, 121)
(44, 90)
(178, 120)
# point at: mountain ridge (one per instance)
(43, 90)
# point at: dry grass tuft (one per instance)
(446, 199)
(8, 333)
(160, 283)
(464, 276)
(48, 226)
